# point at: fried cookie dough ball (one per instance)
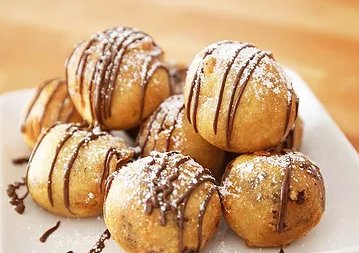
(165, 202)
(272, 199)
(69, 166)
(168, 130)
(238, 97)
(116, 78)
(50, 104)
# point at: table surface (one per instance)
(319, 39)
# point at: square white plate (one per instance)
(338, 230)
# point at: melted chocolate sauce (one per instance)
(284, 196)
(37, 95)
(162, 116)
(160, 196)
(50, 98)
(46, 235)
(91, 136)
(20, 160)
(100, 244)
(58, 84)
(224, 80)
(237, 95)
(15, 200)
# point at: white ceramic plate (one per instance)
(338, 230)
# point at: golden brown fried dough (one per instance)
(168, 130)
(69, 166)
(162, 203)
(116, 78)
(271, 200)
(50, 104)
(238, 98)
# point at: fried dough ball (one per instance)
(238, 98)
(178, 73)
(69, 166)
(50, 104)
(167, 129)
(165, 202)
(116, 78)
(272, 199)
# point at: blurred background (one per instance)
(317, 38)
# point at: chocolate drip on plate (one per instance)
(49, 232)
(20, 160)
(15, 200)
(100, 244)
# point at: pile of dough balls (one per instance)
(217, 138)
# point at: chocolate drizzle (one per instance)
(15, 200)
(196, 86)
(166, 117)
(37, 95)
(100, 244)
(236, 96)
(223, 83)
(112, 44)
(49, 232)
(70, 130)
(90, 136)
(20, 160)
(162, 188)
(58, 84)
(65, 111)
(284, 196)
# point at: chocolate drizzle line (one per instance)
(91, 136)
(20, 160)
(15, 200)
(111, 152)
(224, 79)
(160, 193)
(234, 102)
(284, 195)
(166, 112)
(195, 88)
(100, 244)
(37, 95)
(201, 215)
(173, 127)
(46, 235)
(40, 139)
(68, 134)
(50, 98)
(113, 44)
